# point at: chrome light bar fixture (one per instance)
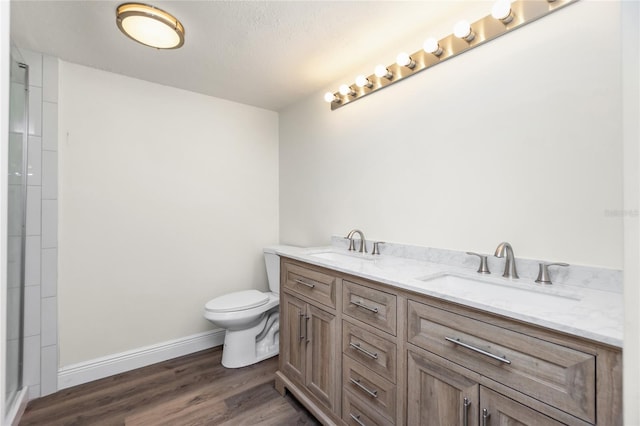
(505, 17)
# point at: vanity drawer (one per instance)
(357, 413)
(313, 284)
(379, 392)
(373, 307)
(555, 374)
(371, 350)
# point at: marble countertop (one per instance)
(586, 312)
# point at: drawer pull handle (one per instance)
(465, 412)
(363, 306)
(363, 350)
(299, 281)
(356, 418)
(372, 393)
(478, 350)
(485, 416)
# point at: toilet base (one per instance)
(241, 348)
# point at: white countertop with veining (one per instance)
(592, 313)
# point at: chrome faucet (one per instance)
(363, 242)
(510, 260)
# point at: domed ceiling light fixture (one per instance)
(150, 26)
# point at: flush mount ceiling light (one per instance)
(150, 26)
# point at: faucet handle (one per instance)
(352, 245)
(376, 249)
(543, 271)
(484, 267)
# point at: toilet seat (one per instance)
(237, 301)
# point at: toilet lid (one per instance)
(237, 301)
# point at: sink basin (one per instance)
(342, 257)
(502, 292)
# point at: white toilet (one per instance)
(251, 319)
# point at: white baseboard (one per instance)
(99, 368)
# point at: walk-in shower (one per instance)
(16, 225)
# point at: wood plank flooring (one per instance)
(191, 390)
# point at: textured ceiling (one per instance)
(268, 54)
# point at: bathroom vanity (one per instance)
(362, 344)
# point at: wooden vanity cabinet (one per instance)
(497, 409)
(439, 393)
(552, 373)
(442, 393)
(362, 353)
(371, 306)
(309, 339)
(518, 373)
(308, 347)
(369, 347)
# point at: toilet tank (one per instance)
(272, 262)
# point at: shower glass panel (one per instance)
(16, 223)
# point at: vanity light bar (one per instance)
(501, 21)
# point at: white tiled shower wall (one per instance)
(41, 302)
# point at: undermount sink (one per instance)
(498, 291)
(338, 257)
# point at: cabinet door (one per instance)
(292, 338)
(437, 395)
(502, 411)
(321, 352)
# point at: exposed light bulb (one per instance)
(463, 30)
(431, 46)
(382, 72)
(330, 97)
(501, 11)
(345, 90)
(404, 60)
(362, 81)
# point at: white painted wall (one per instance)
(519, 140)
(166, 199)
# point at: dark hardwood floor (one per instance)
(191, 390)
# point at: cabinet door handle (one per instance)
(465, 412)
(485, 416)
(363, 306)
(478, 350)
(299, 281)
(301, 326)
(372, 393)
(356, 418)
(306, 328)
(357, 346)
